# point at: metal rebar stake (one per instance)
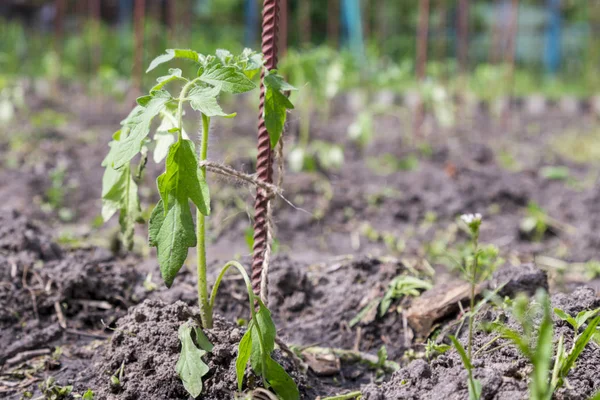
(264, 162)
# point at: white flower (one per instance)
(471, 218)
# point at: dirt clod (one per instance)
(146, 344)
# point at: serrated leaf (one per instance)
(244, 351)
(172, 234)
(249, 348)
(171, 54)
(276, 81)
(190, 366)
(276, 106)
(227, 79)
(224, 55)
(283, 384)
(202, 340)
(136, 127)
(120, 193)
(204, 99)
(183, 179)
(164, 137)
(174, 74)
(268, 331)
(163, 140)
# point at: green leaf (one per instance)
(580, 343)
(558, 361)
(515, 337)
(555, 172)
(202, 340)
(276, 81)
(595, 397)
(462, 353)
(120, 193)
(542, 355)
(363, 313)
(164, 138)
(583, 316)
(474, 389)
(174, 74)
(171, 54)
(566, 317)
(183, 179)
(190, 366)
(283, 384)
(136, 127)
(276, 105)
(244, 351)
(172, 234)
(227, 79)
(268, 331)
(204, 99)
(88, 395)
(382, 356)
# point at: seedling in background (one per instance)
(565, 360)
(172, 229)
(473, 273)
(535, 341)
(538, 223)
(399, 287)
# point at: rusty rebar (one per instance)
(264, 162)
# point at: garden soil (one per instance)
(68, 295)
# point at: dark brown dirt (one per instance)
(315, 292)
(503, 373)
(38, 277)
(146, 343)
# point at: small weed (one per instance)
(400, 287)
(534, 340)
(555, 173)
(387, 163)
(474, 272)
(393, 243)
(433, 349)
(52, 391)
(316, 155)
(538, 223)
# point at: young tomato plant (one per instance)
(172, 229)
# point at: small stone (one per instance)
(419, 369)
(525, 278)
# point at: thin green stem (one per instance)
(205, 311)
(251, 298)
(474, 268)
(205, 308)
(347, 396)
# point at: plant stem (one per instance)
(473, 284)
(347, 396)
(251, 298)
(205, 308)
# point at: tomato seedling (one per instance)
(172, 229)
